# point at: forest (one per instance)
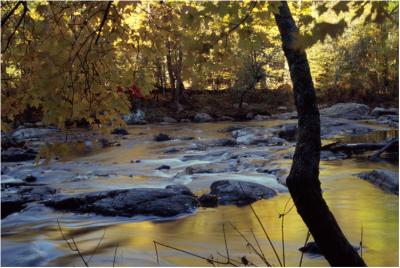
(199, 133)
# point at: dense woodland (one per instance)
(66, 61)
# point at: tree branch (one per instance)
(103, 21)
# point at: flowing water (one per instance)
(32, 237)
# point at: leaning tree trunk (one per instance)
(303, 182)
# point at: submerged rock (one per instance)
(120, 131)
(208, 200)
(167, 202)
(385, 179)
(239, 192)
(162, 137)
(163, 167)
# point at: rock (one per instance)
(282, 108)
(8, 142)
(379, 111)
(252, 136)
(250, 116)
(208, 200)
(30, 179)
(260, 117)
(162, 137)
(135, 118)
(28, 133)
(120, 131)
(202, 118)
(239, 192)
(312, 248)
(226, 118)
(385, 179)
(185, 120)
(329, 155)
(168, 119)
(179, 188)
(171, 151)
(163, 167)
(288, 132)
(391, 120)
(16, 198)
(167, 202)
(285, 116)
(349, 110)
(18, 154)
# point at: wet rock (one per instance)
(18, 154)
(167, 119)
(379, 111)
(210, 168)
(120, 131)
(288, 132)
(171, 151)
(285, 116)
(250, 116)
(30, 178)
(163, 167)
(28, 133)
(135, 118)
(390, 120)
(162, 137)
(349, 110)
(9, 142)
(239, 192)
(208, 200)
(385, 179)
(329, 155)
(202, 118)
(130, 202)
(14, 199)
(179, 188)
(312, 248)
(225, 118)
(260, 117)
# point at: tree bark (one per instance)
(303, 181)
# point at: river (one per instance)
(32, 237)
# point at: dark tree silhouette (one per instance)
(303, 181)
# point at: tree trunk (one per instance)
(303, 182)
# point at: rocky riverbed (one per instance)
(192, 177)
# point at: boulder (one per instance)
(167, 202)
(239, 192)
(250, 116)
(349, 110)
(18, 154)
(167, 119)
(28, 133)
(8, 142)
(285, 116)
(119, 131)
(330, 155)
(208, 200)
(379, 111)
(135, 118)
(390, 120)
(162, 137)
(202, 118)
(288, 132)
(14, 199)
(385, 179)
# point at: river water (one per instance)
(32, 237)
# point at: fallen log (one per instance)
(391, 146)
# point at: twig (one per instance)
(305, 242)
(251, 245)
(115, 254)
(226, 244)
(98, 245)
(9, 14)
(265, 232)
(155, 247)
(103, 21)
(282, 229)
(76, 249)
(361, 241)
(258, 244)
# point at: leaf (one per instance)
(342, 6)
